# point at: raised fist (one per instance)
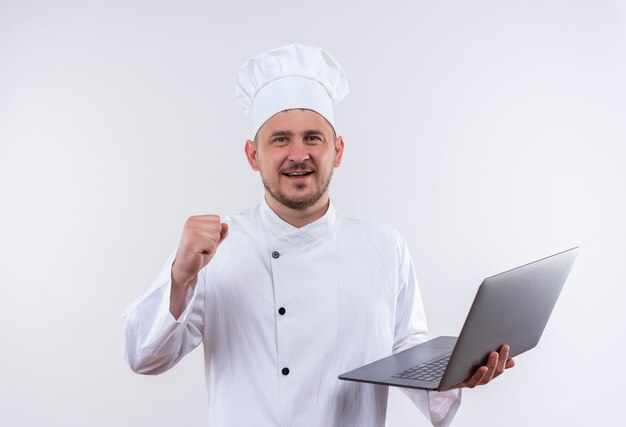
(202, 235)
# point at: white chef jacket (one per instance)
(349, 295)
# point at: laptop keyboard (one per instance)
(427, 371)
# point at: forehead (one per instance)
(296, 120)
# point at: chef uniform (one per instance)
(281, 311)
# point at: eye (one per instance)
(280, 140)
(313, 138)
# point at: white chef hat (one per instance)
(293, 76)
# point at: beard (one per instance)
(298, 204)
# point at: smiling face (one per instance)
(295, 151)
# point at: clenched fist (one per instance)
(201, 237)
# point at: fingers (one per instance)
(492, 364)
(223, 232)
(474, 380)
(510, 364)
(202, 234)
(503, 357)
(482, 375)
(497, 363)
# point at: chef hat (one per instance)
(293, 76)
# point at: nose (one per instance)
(298, 152)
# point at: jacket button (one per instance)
(285, 371)
(281, 311)
(275, 254)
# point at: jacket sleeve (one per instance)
(411, 329)
(152, 340)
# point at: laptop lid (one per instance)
(511, 308)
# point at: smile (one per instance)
(297, 174)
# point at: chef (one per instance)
(286, 296)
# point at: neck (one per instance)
(299, 217)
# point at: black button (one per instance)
(281, 311)
(285, 371)
(275, 254)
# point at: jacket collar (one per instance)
(280, 232)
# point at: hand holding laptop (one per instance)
(496, 364)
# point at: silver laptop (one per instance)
(509, 308)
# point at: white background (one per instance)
(490, 133)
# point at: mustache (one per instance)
(298, 167)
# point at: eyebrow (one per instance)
(290, 133)
(280, 133)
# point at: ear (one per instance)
(251, 154)
(338, 151)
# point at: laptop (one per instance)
(509, 308)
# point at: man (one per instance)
(288, 295)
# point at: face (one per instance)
(295, 152)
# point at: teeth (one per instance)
(297, 173)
